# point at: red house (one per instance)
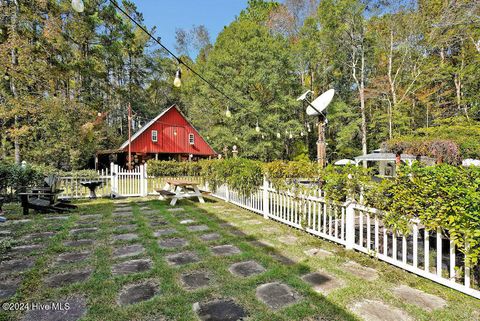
(169, 136)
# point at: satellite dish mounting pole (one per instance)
(321, 145)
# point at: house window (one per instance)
(154, 136)
(191, 139)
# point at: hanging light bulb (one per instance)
(178, 78)
(228, 113)
(263, 136)
(78, 5)
(308, 128)
(279, 135)
(257, 128)
(290, 136)
(301, 133)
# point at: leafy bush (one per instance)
(173, 168)
(15, 177)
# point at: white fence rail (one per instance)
(429, 254)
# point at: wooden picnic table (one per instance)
(178, 189)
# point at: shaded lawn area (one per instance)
(282, 251)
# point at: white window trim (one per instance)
(156, 136)
(191, 139)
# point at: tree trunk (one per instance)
(361, 92)
(13, 89)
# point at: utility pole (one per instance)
(129, 160)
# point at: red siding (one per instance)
(166, 126)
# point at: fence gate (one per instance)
(128, 182)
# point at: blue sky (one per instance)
(172, 14)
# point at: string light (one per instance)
(178, 78)
(228, 113)
(78, 6)
(279, 135)
(257, 128)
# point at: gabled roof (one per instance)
(150, 123)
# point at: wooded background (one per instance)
(401, 69)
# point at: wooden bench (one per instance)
(165, 193)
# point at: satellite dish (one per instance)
(304, 95)
(320, 103)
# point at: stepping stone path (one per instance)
(238, 233)
(419, 298)
(253, 222)
(277, 295)
(77, 309)
(197, 228)
(72, 257)
(322, 282)
(175, 209)
(225, 250)
(90, 217)
(16, 265)
(125, 237)
(128, 251)
(40, 235)
(318, 253)
(83, 230)
(150, 212)
(245, 269)
(210, 237)
(158, 223)
(229, 225)
(372, 310)
(137, 293)
(172, 243)
(219, 310)
(163, 232)
(261, 243)
(360, 271)
(78, 243)
(195, 280)
(126, 228)
(182, 258)
(27, 248)
(67, 278)
(133, 266)
(289, 239)
(8, 289)
(283, 259)
(56, 218)
(187, 221)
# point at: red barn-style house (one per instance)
(169, 136)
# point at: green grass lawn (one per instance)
(173, 302)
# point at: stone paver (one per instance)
(25, 249)
(419, 298)
(39, 235)
(77, 309)
(253, 222)
(175, 209)
(283, 259)
(137, 293)
(16, 265)
(172, 243)
(246, 269)
(323, 282)
(74, 257)
(158, 223)
(56, 218)
(197, 228)
(162, 232)
(187, 221)
(64, 279)
(83, 230)
(288, 239)
(132, 266)
(8, 289)
(182, 258)
(277, 295)
(128, 251)
(90, 216)
(360, 271)
(219, 310)
(125, 237)
(77, 243)
(126, 228)
(320, 253)
(195, 280)
(210, 237)
(373, 310)
(225, 250)
(261, 243)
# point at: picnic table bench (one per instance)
(178, 189)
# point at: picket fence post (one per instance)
(113, 180)
(227, 193)
(350, 226)
(266, 204)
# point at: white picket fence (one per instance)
(359, 227)
(428, 254)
